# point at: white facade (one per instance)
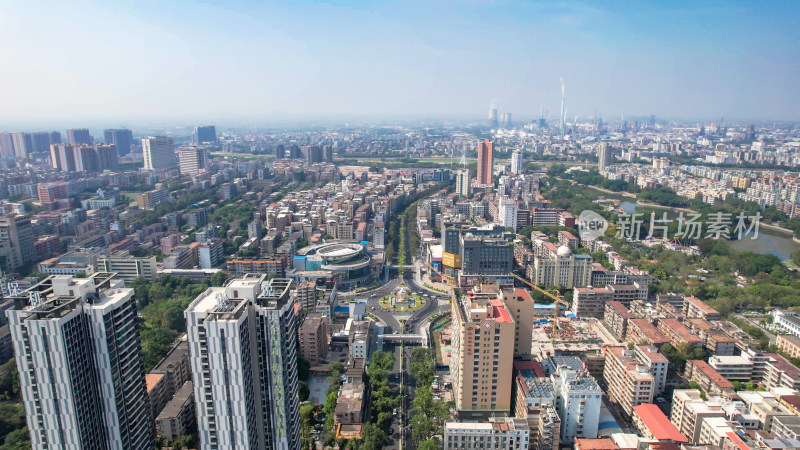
(578, 400)
(517, 162)
(192, 160)
(128, 268)
(159, 153)
(244, 365)
(78, 390)
(564, 269)
(507, 213)
(462, 182)
(603, 157)
(498, 432)
(788, 321)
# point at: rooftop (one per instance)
(657, 423)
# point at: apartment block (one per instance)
(689, 410)
(654, 425)
(711, 381)
(616, 318)
(177, 418)
(579, 400)
(521, 307)
(694, 307)
(80, 364)
(242, 339)
(678, 333)
(498, 432)
(643, 331)
(534, 399)
(789, 344)
(629, 383)
(313, 339)
(482, 355)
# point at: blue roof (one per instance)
(341, 309)
(300, 257)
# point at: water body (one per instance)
(770, 242)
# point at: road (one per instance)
(772, 337)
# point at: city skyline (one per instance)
(362, 61)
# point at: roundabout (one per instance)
(402, 300)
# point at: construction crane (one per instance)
(556, 299)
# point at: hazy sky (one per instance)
(123, 60)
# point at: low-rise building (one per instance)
(654, 425)
(642, 331)
(350, 403)
(616, 318)
(177, 418)
(498, 432)
(694, 307)
(313, 338)
(678, 333)
(689, 410)
(711, 381)
(789, 344)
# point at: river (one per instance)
(769, 241)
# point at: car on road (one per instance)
(394, 412)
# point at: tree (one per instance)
(303, 369)
(430, 444)
(303, 391)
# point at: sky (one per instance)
(242, 61)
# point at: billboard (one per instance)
(451, 260)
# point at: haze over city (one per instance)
(246, 61)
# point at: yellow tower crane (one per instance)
(556, 298)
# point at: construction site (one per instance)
(571, 336)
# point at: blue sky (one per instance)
(215, 62)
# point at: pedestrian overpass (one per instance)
(420, 339)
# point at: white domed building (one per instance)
(561, 268)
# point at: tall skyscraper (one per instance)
(62, 157)
(327, 153)
(40, 143)
(6, 145)
(16, 231)
(603, 157)
(83, 158)
(192, 160)
(205, 135)
(121, 137)
(314, 154)
(79, 136)
(482, 355)
(159, 153)
(107, 157)
(243, 344)
(23, 145)
(485, 162)
(55, 137)
(462, 182)
(280, 151)
(517, 162)
(80, 364)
